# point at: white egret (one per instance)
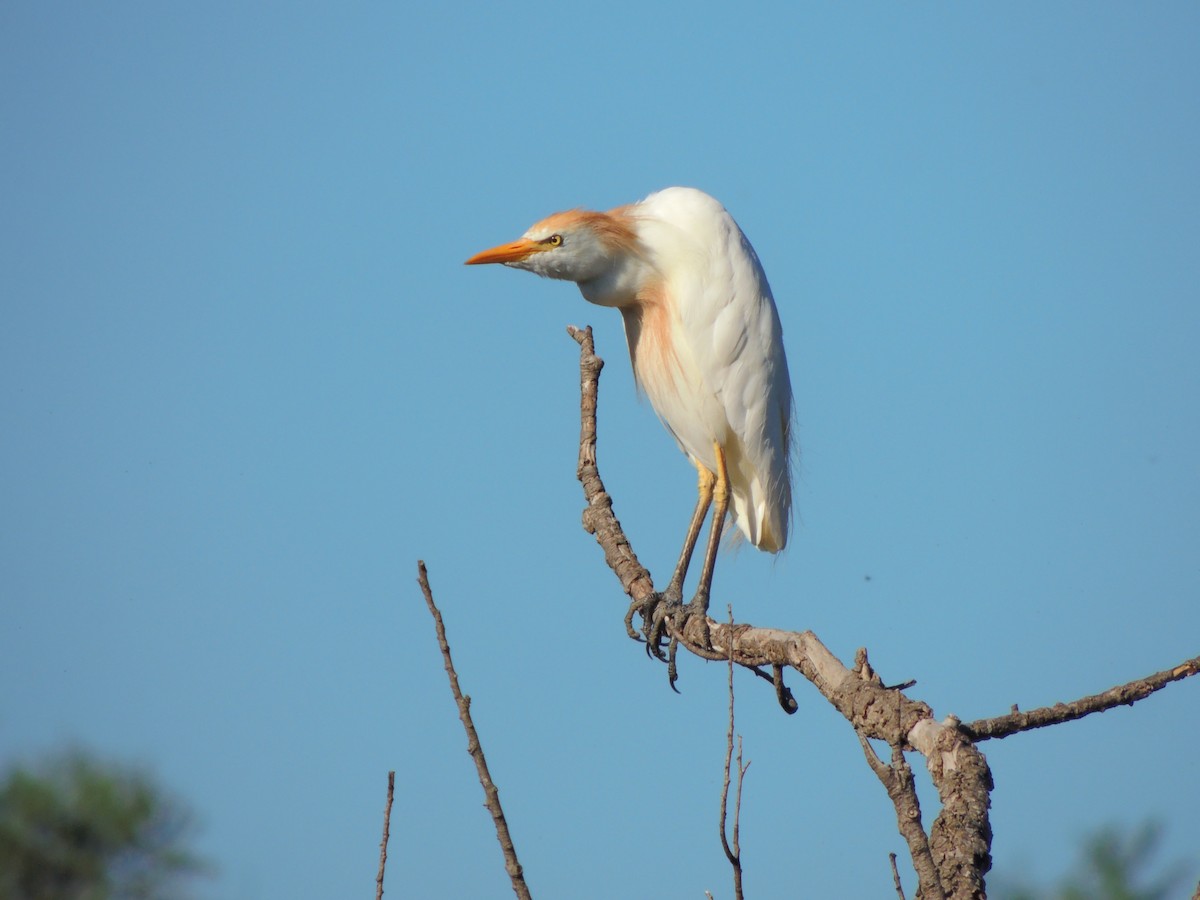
(706, 344)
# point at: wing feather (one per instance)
(731, 383)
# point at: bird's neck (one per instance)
(620, 284)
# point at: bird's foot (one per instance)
(665, 618)
(681, 626)
(656, 610)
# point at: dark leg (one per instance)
(655, 613)
(699, 605)
(704, 488)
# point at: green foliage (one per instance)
(1115, 865)
(76, 829)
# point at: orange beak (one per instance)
(511, 252)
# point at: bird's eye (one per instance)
(553, 241)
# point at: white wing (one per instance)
(731, 385)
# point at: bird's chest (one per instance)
(664, 363)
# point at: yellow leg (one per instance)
(665, 615)
(720, 500)
(704, 489)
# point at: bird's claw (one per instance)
(655, 611)
(664, 618)
(681, 619)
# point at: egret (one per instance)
(706, 345)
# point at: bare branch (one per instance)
(1121, 695)
(897, 780)
(896, 876)
(387, 819)
(959, 841)
(598, 518)
(783, 693)
(873, 710)
(961, 835)
(742, 769)
(732, 853)
(491, 793)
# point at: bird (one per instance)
(706, 345)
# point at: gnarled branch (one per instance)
(1121, 695)
(953, 859)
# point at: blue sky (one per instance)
(246, 382)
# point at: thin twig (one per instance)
(1121, 695)
(475, 748)
(387, 818)
(896, 876)
(732, 853)
(737, 815)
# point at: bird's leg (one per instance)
(654, 614)
(720, 508)
(699, 606)
(704, 488)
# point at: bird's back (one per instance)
(713, 364)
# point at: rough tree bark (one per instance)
(953, 856)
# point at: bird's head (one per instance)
(576, 245)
